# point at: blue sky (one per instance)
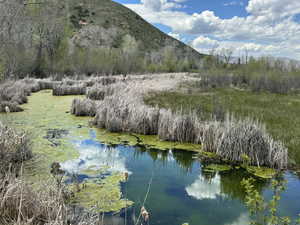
(260, 27)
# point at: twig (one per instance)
(146, 196)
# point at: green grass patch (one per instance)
(279, 112)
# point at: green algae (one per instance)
(149, 141)
(152, 141)
(110, 138)
(217, 168)
(261, 172)
(94, 171)
(210, 155)
(101, 195)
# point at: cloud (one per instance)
(233, 3)
(175, 35)
(95, 157)
(206, 45)
(273, 9)
(160, 5)
(204, 42)
(269, 23)
(205, 189)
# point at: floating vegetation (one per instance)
(110, 138)
(217, 168)
(53, 136)
(152, 141)
(261, 172)
(101, 195)
(148, 141)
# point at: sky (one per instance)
(259, 27)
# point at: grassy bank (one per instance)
(279, 112)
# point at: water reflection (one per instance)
(182, 158)
(204, 188)
(95, 156)
(243, 219)
(210, 185)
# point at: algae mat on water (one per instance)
(147, 141)
(101, 195)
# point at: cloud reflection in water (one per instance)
(95, 156)
(202, 188)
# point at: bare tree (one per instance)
(226, 54)
(49, 29)
(15, 33)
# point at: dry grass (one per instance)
(99, 91)
(102, 80)
(178, 127)
(63, 89)
(23, 204)
(14, 148)
(83, 107)
(234, 139)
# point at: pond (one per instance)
(180, 190)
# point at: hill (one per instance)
(105, 22)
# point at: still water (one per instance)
(180, 191)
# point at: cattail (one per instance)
(145, 214)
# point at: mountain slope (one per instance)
(113, 21)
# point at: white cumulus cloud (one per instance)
(269, 27)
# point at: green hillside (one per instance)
(114, 17)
